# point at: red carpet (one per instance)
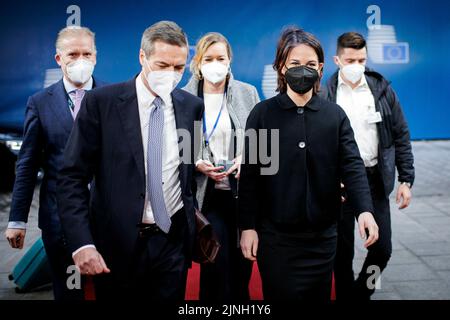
(193, 282)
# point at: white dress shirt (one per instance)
(69, 87)
(170, 153)
(219, 142)
(359, 105)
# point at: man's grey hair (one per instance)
(72, 31)
(164, 31)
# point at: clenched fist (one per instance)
(15, 237)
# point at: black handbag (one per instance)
(206, 244)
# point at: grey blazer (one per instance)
(241, 98)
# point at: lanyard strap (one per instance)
(207, 137)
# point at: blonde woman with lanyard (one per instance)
(227, 105)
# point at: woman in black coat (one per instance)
(288, 207)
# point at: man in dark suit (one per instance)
(136, 140)
(49, 119)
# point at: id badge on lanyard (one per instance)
(205, 133)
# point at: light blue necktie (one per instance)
(154, 166)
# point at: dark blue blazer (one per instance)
(106, 145)
(47, 126)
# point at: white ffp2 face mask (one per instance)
(353, 72)
(162, 82)
(214, 72)
(80, 71)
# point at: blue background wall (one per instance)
(28, 31)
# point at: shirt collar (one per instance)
(145, 97)
(286, 102)
(362, 83)
(70, 87)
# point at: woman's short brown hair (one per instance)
(202, 46)
(289, 39)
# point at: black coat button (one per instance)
(300, 110)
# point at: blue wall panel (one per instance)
(28, 31)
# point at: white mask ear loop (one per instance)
(147, 64)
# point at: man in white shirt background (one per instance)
(383, 139)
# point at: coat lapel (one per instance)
(181, 116)
(182, 122)
(60, 107)
(128, 110)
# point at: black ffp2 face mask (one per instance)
(301, 79)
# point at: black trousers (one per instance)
(60, 259)
(227, 279)
(296, 265)
(158, 270)
(378, 254)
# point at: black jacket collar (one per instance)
(286, 102)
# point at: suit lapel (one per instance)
(59, 105)
(129, 115)
(181, 116)
(182, 122)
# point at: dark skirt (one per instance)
(296, 265)
(227, 279)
